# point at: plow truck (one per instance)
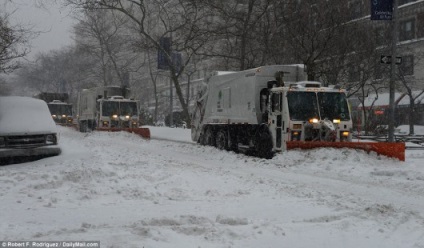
(109, 108)
(60, 108)
(271, 109)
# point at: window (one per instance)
(302, 105)
(276, 102)
(407, 65)
(407, 30)
(420, 25)
(264, 100)
(333, 105)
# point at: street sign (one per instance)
(381, 10)
(388, 60)
(164, 53)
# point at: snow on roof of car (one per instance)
(25, 115)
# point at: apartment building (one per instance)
(410, 64)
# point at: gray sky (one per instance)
(54, 22)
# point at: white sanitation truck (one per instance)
(271, 109)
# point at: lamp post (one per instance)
(394, 25)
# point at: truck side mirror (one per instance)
(273, 83)
(279, 77)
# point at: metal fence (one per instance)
(412, 141)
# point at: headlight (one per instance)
(344, 135)
(64, 116)
(51, 139)
(2, 142)
(114, 116)
(336, 121)
(295, 135)
(54, 116)
(127, 117)
(313, 120)
(105, 123)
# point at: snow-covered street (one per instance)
(125, 191)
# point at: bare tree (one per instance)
(103, 35)
(58, 71)
(413, 96)
(13, 44)
(241, 33)
(178, 19)
(5, 89)
(314, 31)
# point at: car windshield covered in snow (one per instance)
(306, 105)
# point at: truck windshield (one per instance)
(60, 109)
(302, 105)
(128, 108)
(110, 108)
(333, 105)
(119, 108)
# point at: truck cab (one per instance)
(305, 111)
(117, 112)
(61, 112)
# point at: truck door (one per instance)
(276, 119)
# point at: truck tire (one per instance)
(91, 125)
(83, 127)
(263, 143)
(209, 137)
(222, 140)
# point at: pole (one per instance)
(171, 102)
(395, 24)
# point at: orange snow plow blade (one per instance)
(392, 150)
(143, 132)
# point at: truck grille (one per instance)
(25, 141)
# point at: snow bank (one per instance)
(130, 192)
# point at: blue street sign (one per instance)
(164, 53)
(381, 9)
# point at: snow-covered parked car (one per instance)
(26, 129)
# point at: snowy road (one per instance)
(128, 192)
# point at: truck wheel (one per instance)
(222, 140)
(83, 126)
(209, 138)
(264, 143)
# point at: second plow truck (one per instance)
(272, 109)
(109, 108)
(60, 108)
